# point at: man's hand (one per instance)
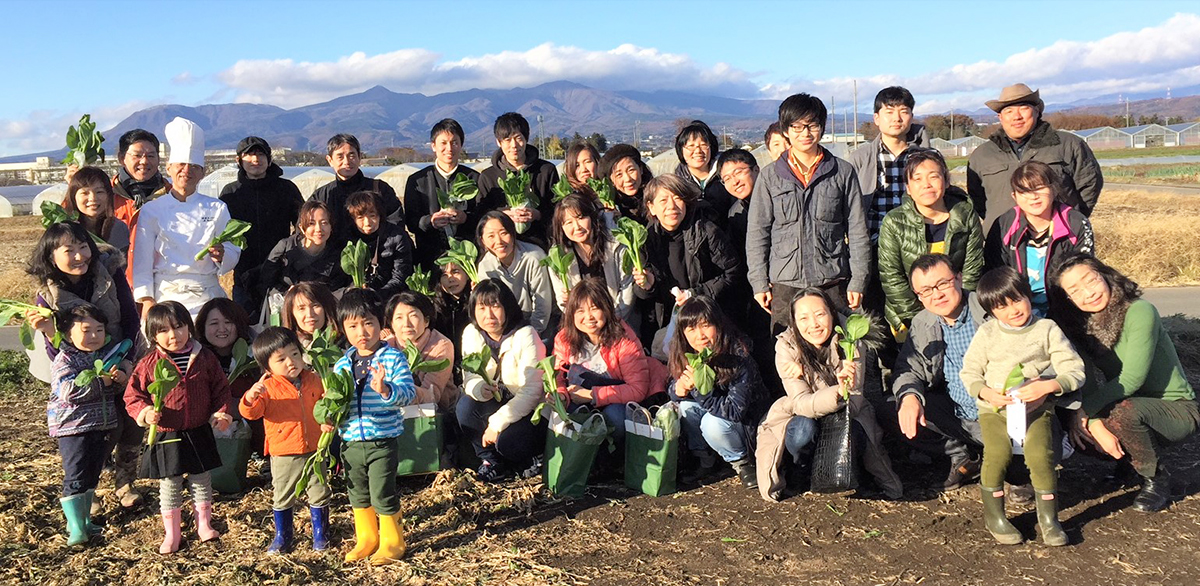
(1105, 439)
(217, 252)
(764, 300)
(853, 299)
(912, 413)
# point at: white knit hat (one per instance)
(186, 140)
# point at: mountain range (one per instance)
(382, 118)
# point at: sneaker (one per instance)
(962, 471)
(1020, 494)
(534, 469)
(490, 471)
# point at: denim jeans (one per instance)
(704, 429)
(614, 414)
(799, 433)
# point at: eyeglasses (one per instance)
(146, 156)
(691, 148)
(812, 128)
(940, 287)
(1089, 283)
(740, 173)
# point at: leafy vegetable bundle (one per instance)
(550, 387)
(355, 257)
(331, 408)
(604, 192)
(418, 365)
(476, 363)
(857, 326)
(419, 281)
(104, 367)
(518, 192)
(234, 233)
(560, 262)
(562, 189)
(10, 309)
(242, 361)
(632, 236)
(462, 190)
(166, 378)
(462, 253)
(53, 213)
(703, 375)
(87, 145)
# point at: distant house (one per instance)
(959, 147)
(1152, 135)
(1105, 137)
(1187, 134)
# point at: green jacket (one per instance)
(902, 240)
(1143, 363)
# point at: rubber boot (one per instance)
(996, 519)
(366, 534)
(284, 530)
(170, 542)
(92, 530)
(320, 525)
(746, 472)
(204, 522)
(391, 540)
(75, 509)
(1155, 494)
(1047, 516)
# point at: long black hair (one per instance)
(41, 262)
(1093, 332)
(728, 349)
(818, 372)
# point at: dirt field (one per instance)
(462, 532)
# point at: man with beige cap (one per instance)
(1025, 136)
(176, 226)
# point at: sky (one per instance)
(110, 59)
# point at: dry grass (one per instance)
(17, 237)
(1150, 237)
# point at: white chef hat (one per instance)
(186, 140)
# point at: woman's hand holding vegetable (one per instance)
(847, 375)
(643, 279)
(40, 323)
(685, 384)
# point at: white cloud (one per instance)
(287, 83)
(1153, 58)
(45, 130)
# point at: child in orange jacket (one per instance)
(284, 398)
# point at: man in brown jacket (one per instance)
(1025, 136)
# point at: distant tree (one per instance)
(599, 141)
(401, 155)
(1065, 121)
(303, 159)
(554, 148)
(947, 128)
(681, 123)
(1152, 119)
(1175, 120)
(12, 181)
(868, 130)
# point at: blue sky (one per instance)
(114, 58)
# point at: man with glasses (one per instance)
(807, 223)
(1025, 136)
(936, 413)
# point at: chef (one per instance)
(172, 230)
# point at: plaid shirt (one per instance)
(890, 191)
(958, 338)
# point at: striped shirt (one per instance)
(958, 338)
(372, 417)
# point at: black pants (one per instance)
(517, 444)
(82, 460)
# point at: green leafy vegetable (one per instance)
(331, 408)
(234, 233)
(87, 145)
(418, 364)
(462, 190)
(632, 236)
(604, 192)
(10, 309)
(518, 192)
(462, 253)
(419, 281)
(552, 398)
(242, 361)
(104, 367)
(562, 189)
(53, 213)
(1016, 377)
(857, 326)
(477, 362)
(703, 375)
(166, 378)
(560, 262)
(354, 262)
(86, 377)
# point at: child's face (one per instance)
(362, 333)
(367, 223)
(92, 200)
(1036, 203)
(219, 330)
(309, 315)
(700, 336)
(454, 279)
(174, 339)
(286, 362)
(1013, 314)
(87, 334)
(408, 323)
(73, 258)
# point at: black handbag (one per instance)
(834, 467)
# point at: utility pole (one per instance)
(637, 135)
(951, 123)
(855, 130)
(832, 115)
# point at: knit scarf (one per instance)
(1104, 327)
(139, 190)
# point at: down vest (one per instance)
(902, 240)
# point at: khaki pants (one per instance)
(285, 475)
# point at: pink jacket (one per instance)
(625, 361)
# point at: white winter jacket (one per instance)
(518, 373)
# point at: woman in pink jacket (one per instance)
(600, 360)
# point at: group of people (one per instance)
(983, 305)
